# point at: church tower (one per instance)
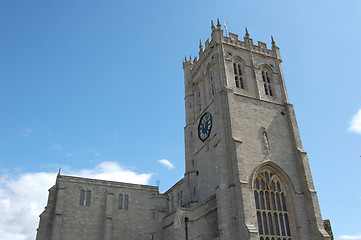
(247, 176)
(242, 144)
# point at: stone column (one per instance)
(107, 235)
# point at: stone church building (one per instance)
(247, 175)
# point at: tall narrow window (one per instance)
(179, 202)
(82, 198)
(272, 215)
(212, 83)
(126, 201)
(123, 201)
(238, 75)
(181, 198)
(120, 203)
(267, 83)
(85, 198)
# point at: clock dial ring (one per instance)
(204, 126)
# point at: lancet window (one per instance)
(238, 75)
(267, 83)
(272, 214)
(180, 198)
(123, 201)
(85, 198)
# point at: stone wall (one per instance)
(102, 219)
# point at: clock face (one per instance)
(204, 127)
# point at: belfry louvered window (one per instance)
(238, 75)
(267, 83)
(272, 215)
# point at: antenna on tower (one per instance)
(225, 28)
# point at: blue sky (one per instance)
(96, 88)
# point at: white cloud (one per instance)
(353, 237)
(23, 197)
(355, 125)
(25, 132)
(166, 163)
(70, 155)
(114, 172)
(57, 147)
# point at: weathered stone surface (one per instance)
(254, 128)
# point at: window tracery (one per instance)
(238, 75)
(272, 214)
(267, 83)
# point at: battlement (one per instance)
(232, 39)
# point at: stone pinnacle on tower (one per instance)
(218, 24)
(200, 46)
(273, 41)
(247, 34)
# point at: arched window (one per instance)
(272, 214)
(120, 203)
(126, 201)
(238, 75)
(180, 199)
(267, 82)
(85, 198)
(123, 201)
(82, 198)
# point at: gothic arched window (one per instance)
(266, 77)
(272, 214)
(123, 201)
(126, 201)
(85, 198)
(120, 203)
(238, 75)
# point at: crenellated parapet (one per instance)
(218, 37)
(229, 63)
